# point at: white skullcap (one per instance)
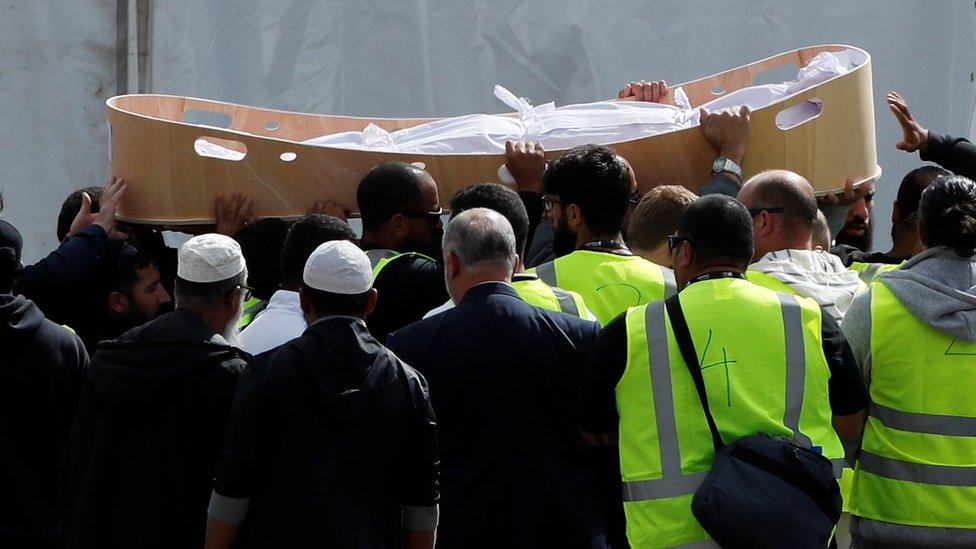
(338, 267)
(209, 258)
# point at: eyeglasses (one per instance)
(772, 209)
(432, 215)
(246, 291)
(634, 198)
(675, 240)
(547, 202)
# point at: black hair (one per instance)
(304, 236)
(389, 189)
(596, 180)
(118, 268)
(720, 228)
(70, 206)
(947, 213)
(336, 304)
(501, 199)
(911, 187)
(259, 242)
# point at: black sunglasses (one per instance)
(634, 198)
(433, 215)
(675, 240)
(547, 202)
(246, 291)
(772, 209)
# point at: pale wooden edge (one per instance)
(837, 190)
(766, 63)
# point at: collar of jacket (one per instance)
(485, 289)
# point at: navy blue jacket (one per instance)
(504, 380)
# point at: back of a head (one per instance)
(947, 212)
(304, 236)
(258, 241)
(657, 216)
(911, 187)
(389, 189)
(209, 267)
(596, 180)
(482, 239)
(821, 232)
(499, 198)
(337, 279)
(70, 206)
(11, 246)
(720, 230)
(787, 190)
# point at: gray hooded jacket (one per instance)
(939, 288)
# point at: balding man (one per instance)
(504, 379)
(784, 212)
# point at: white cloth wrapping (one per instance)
(568, 126)
(280, 322)
(815, 274)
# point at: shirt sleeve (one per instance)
(533, 206)
(598, 404)
(720, 184)
(955, 154)
(63, 269)
(857, 330)
(848, 393)
(419, 489)
(237, 470)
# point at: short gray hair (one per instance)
(482, 239)
(199, 295)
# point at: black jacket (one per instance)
(504, 380)
(955, 154)
(42, 366)
(147, 435)
(56, 282)
(330, 435)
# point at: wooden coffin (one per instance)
(169, 183)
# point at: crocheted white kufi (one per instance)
(338, 267)
(209, 258)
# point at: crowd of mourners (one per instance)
(509, 376)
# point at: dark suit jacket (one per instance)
(504, 378)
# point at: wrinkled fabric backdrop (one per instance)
(401, 58)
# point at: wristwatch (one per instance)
(723, 164)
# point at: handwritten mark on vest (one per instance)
(725, 363)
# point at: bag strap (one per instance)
(680, 327)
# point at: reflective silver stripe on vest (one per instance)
(670, 285)
(796, 364)
(375, 256)
(672, 482)
(566, 302)
(922, 473)
(933, 424)
(869, 272)
(838, 465)
(547, 272)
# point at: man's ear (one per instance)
(400, 224)
(118, 303)
(371, 301)
(304, 302)
(452, 265)
(518, 265)
(574, 217)
(685, 255)
(765, 225)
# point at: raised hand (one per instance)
(526, 162)
(233, 213)
(656, 91)
(914, 136)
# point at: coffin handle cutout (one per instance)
(288, 156)
(718, 89)
(221, 149)
(799, 114)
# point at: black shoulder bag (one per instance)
(762, 491)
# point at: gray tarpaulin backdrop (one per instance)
(424, 58)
